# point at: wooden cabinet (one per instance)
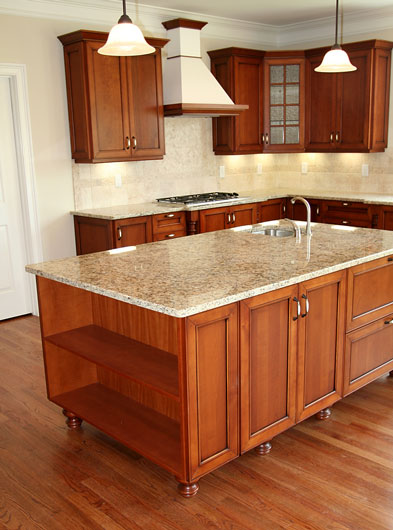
(271, 210)
(383, 217)
(227, 217)
(95, 235)
(283, 109)
(369, 341)
(291, 355)
(298, 210)
(169, 225)
(348, 213)
(349, 111)
(114, 103)
(240, 73)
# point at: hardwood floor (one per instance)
(334, 474)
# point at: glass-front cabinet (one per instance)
(283, 128)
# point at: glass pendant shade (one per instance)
(125, 39)
(335, 60)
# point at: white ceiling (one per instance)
(271, 12)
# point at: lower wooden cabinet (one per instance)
(132, 231)
(271, 210)
(227, 217)
(298, 210)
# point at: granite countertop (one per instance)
(152, 208)
(188, 275)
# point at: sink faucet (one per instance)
(307, 204)
(298, 233)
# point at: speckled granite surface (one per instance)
(152, 208)
(192, 274)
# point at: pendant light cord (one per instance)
(335, 42)
(124, 19)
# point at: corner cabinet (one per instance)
(349, 112)
(115, 104)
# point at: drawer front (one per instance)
(167, 222)
(346, 209)
(370, 292)
(348, 221)
(368, 353)
(169, 235)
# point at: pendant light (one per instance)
(336, 60)
(125, 39)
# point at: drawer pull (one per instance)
(170, 235)
(299, 309)
(390, 259)
(345, 222)
(170, 215)
(233, 217)
(119, 233)
(345, 204)
(389, 321)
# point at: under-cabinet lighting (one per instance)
(121, 250)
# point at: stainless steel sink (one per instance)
(274, 232)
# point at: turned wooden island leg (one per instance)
(188, 489)
(264, 448)
(72, 421)
(323, 414)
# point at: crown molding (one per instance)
(105, 13)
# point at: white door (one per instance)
(15, 297)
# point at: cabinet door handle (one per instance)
(170, 215)
(229, 218)
(119, 233)
(337, 136)
(299, 309)
(263, 138)
(170, 235)
(267, 138)
(331, 137)
(134, 144)
(284, 208)
(128, 142)
(389, 321)
(317, 211)
(307, 305)
(233, 217)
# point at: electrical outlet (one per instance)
(364, 170)
(304, 167)
(118, 182)
(259, 169)
(222, 172)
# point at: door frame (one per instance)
(16, 73)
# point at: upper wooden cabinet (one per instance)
(349, 111)
(115, 104)
(240, 72)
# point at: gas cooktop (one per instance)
(199, 199)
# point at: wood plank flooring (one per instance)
(336, 474)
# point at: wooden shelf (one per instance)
(147, 432)
(127, 357)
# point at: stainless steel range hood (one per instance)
(189, 86)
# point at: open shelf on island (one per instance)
(140, 362)
(149, 433)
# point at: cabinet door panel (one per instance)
(213, 388)
(109, 109)
(321, 332)
(213, 219)
(92, 235)
(241, 215)
(147, 112)
(320, 108)
(134, 231)
(267, 357)
(353, 108)
(271, 210)
(368, 353)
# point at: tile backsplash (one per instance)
(190, 166)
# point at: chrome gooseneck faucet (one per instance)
(307, 204)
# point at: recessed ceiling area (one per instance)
(277, 13)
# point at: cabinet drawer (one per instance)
(370, 292)
(169, 235)
(348, 221)
(346, 209)
(369, 353)
(170, 221)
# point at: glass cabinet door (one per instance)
(284, 105)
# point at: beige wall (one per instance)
(188, 166)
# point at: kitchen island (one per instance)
(195, 350)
